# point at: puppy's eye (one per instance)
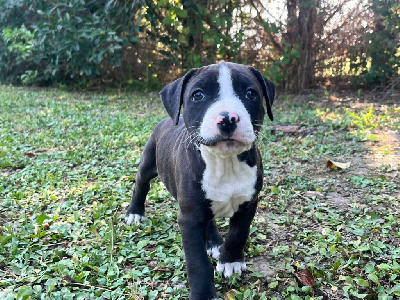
(198, 96)
(251, 94)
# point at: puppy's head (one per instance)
(222, 105)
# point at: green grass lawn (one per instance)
(67, 168)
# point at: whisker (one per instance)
(192, 139)
(188, 137)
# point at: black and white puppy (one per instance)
(209, 162)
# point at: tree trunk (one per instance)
(299, 38)
(291, 41)
(307, 18)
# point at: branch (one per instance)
(332, 14)
(263, 9)
(272, 38)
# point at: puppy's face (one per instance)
(223, 108)
(223, 105)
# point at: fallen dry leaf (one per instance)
(305, 277)
(287, 128)
(163, 269)
(291, 129)
(314, 194)
(337, 165)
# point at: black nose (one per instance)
(226, 122)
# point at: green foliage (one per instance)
(277, 71)
(195, 33)
(65, 41)
(16, 46)
(378, 59)
(19, 41)
(115, 42)
(364, 121)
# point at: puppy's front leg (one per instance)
(199, 268)
(231, 259)
(147, 171)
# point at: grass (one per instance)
(67, 167)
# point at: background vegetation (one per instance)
(141, 44)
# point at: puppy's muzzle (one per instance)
(227, 123)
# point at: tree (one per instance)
(194, 33)
(300, 39)
(383, 41)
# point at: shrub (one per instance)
(64, 41)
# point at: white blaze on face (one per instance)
(229, 102)
(225, 83)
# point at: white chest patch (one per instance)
(227, 182)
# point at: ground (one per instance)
(67, 168)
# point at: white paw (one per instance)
(214, 252)
(229, 268)
(134, 218)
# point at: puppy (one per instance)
(209, 161)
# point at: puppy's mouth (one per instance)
(219, 140)
(214, 141)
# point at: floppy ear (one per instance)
(172, 95)
(268, 90)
